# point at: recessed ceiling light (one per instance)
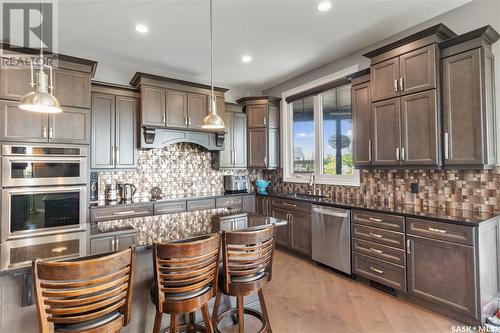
(246, 59)
(141, 28)
(324, 6)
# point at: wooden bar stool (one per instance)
(247, 258)
(92, 295)
(185, 280)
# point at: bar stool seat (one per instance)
(100, 322)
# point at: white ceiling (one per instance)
(285, 37)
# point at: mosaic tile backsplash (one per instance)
(474, 190)
(178, 169)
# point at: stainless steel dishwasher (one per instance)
(331, 237)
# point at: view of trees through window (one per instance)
(336, 133)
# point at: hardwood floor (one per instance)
(304, 297)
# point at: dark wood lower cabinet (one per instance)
(282, 232)
(300, 232)
(442, 273)
(112, 242)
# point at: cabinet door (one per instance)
(72, 88)
(462, 112)
(274, 116)
(300, 232)
(152, 106)
(420, 128)
(102, 245)
(386, 132)
(226, 154)
(70, 126)
(14, 82)
(126, 132)
(103, 131)
(418, 70)
(257, 148)
(20, 125)
(239, 134)
(442, 273)
(262, 205)
(176, 108)
(124, 241)
(384, 78)
(361, 124)
(257, 115)
(197, 110)
(273, 158)
(221, 106)
(282, 232)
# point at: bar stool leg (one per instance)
(264, 310)
(173, 323)
(241, 315)
(192, 322)
(215, 314)
(206, 319)
(157, 326)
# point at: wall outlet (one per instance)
(414, 188)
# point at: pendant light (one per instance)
(213, 120)
(42, 99)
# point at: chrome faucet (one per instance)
(312, 182)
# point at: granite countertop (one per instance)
(162, 228)
(443, 214)
(169, 198)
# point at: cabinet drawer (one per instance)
(291, 205)
(384, 221)
(119, 213)
(380, 236)
(438, 230)
(380, 271)
(193, 205)
(169, 207)
(229, 202)
(379, 251)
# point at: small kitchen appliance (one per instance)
(127, 191)
(235, 184)
(111, 192)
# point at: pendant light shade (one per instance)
(213, 121)
(42, 99)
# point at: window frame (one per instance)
(287, 137)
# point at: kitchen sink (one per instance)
(305, 196)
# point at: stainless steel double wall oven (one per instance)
(44, 210)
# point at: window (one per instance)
(318, 139)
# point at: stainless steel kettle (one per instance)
(127, 191)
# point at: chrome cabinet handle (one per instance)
(117, 154)
(163, 118)
(408, 246)
(376, 250)
(113, 244)
(369, 150)
(185, 120)
(401, 84)
(265, 160)
(376, 270)
(403, 155)
(446, 146)
(265, 121)
(189, 120)
(288, 204)
(376, 235)
(397, 154)
(125, 212)
(51, 133)
(117, 244)
(396, 85)
(441, 231)
(113, 155)
(45, 132)
(374, 219)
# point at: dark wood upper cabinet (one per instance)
(114, 128)
(384, 78)
(153, 106)
(197, 110)
(442, 273)
(468, 109)
(262, 131)
(72, 88)
(418, 70)
(176, 109)
(362, 124)
(70, 126)
(234, 154)
(420, 129)
(386, 132)
(21, 125)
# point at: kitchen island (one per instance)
(15, 285)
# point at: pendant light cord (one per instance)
(211, 59)
(41, 32)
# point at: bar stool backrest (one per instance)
(185, 267)
(80, 291)
(248, 255)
